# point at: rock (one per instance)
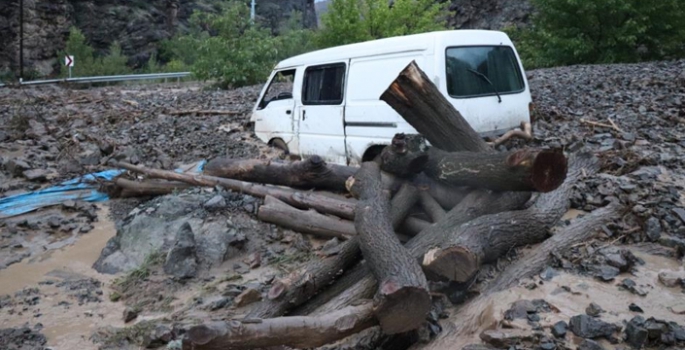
(586, 326)
(36, 129)
(672, 242)
(161, 335)
(635, 308)
(90, 154)
(655, 328)
(247, 297)
(593, 310)
(16, 167)
(525, 308)
(559, 329)
(181, 260)
(548, 346)
(680, 212)
(589, 344)
(216, 202)
(635, 333)
(631, 286)
(254, 260)
(3, 136)
(37, 175)
(130, 314)
(606, 273)
(678, 309)
(671, 279)
(219, 304)
(653, 229)
(504, 338)
(54, 222)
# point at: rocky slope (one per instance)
(137, 25)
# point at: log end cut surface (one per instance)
(549, 170)
(455, 263)
(403, 308)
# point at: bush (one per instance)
(85, 61)
(351, 21)
(565, 32)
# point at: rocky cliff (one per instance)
(488, 14)
(137, 24)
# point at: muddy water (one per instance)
(467, 323)
(65, 328)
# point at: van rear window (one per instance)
(474, 71)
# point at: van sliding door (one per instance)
(321, 130)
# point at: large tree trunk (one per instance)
(312, 173)
(293, 331)
(129, 188)
(414, 96)
(522, 170)
(488, 237)
(299, 286)
(402, 300)
(305, 221)
(360, 284)
(580, 230)
(460, 321)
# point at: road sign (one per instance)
(69, 61)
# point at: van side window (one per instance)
(323, 85)
(480, 70)
(280, 87)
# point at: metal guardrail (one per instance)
(107, 78)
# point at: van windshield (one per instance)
(497, 63)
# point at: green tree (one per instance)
(567, 32)
(228, 47)
(294, 38)
(83, 55)
(114, 63)
(351, 21)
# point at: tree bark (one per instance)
(305, 221)
(579, 230)
(405, 157)
(312, 173)
(401, 203)
(343, 208)
(431, 206)
(523, 170)
(488, 237)
(291, 331)
(414, 96)
(360, 284)
(302, 284)
(129, 188)
(402, 300)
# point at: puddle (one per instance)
(467, 323)
(65, 327)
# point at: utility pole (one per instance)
(252, 6)
(21, 40)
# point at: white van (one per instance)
(327, 102)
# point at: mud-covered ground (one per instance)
(107, 267)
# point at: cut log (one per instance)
(525, 133)
(130, 188)
(312, 173)
(304, 200)
(304, 283)
(460, 320)
(447, 195)
(305, 221)
(414, 96)
(523, 170)
(292, 331)
(488, 237)
(579, 230)
(402, 300)
(405, 157)
(431, 206)
(300, 285)
(360, 284)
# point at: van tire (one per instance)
(280, 144)
(372, 152)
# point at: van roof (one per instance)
(403, 43)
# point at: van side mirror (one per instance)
(284, 96)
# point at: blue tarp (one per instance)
(83, 188)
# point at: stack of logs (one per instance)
(474, 205)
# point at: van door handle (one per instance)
(304, 114)
(288, 112)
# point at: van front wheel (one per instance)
(372, 152)
(280, 144)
